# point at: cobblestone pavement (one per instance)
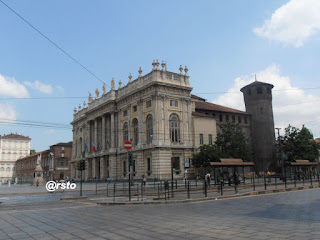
(290, 215)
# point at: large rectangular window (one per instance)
(148, 104)
(201, 138)
(220, 118)
(210, 139)
(173, 103)
(239, 119)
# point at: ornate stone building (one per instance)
(158, 113)
(12, 147)
(154, 111)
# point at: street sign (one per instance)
(127, 145)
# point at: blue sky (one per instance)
(223, 43)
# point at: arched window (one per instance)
(135, 131)
(174, 122)
(8, 169)
(125, 132)
(149, 126)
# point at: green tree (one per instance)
(32, 151)
(205, 155)
(232, 142)
(299, 144)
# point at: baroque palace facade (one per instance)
(163, 120)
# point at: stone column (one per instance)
(166, 121)
(95, 137)
(83, 137)
(160, 123)
(189, 107)
(103, 169)
(89, 138)
(184, 121)
(154, 118)
(140, 122)
(103, 133)
(118, 129)
(112, 131)
(129, 123)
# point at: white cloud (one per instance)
(301, 108)
(293, 23)
(45, 88)
(7, 112)
(50, 131)
(12, 88)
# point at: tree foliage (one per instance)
(230, 143)
(205, 155)
(299, 144)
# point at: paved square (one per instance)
(290, 215)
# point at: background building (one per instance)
(165, 123)
(12, 147)
(55, 163)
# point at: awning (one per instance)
(231, 162)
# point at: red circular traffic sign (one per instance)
(127, 145)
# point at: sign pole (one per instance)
(128, 146)
(129, 175)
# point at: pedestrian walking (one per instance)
(37, 183)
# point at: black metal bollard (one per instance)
(235, 188)
(138, 192)
(221, 187)
(188, 190)
(254, 185)
(172, 194)
(311, 178)
(176, 184)
(158, 191)
(107, 189)
(185, 183)
(205, 189)
(318, 179)
(96, 186)
(154, 183)
(265, 181)
(275, 182)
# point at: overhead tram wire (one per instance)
(36, 122)
(53, 43)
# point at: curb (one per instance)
(73, 198)
(255, 193)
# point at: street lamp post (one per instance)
(280, 150)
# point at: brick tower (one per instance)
(258, 101)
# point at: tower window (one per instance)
(220, 118)
(259, 90)
(269, 90)
(249, 91)
(261, 110)
(239, 119)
